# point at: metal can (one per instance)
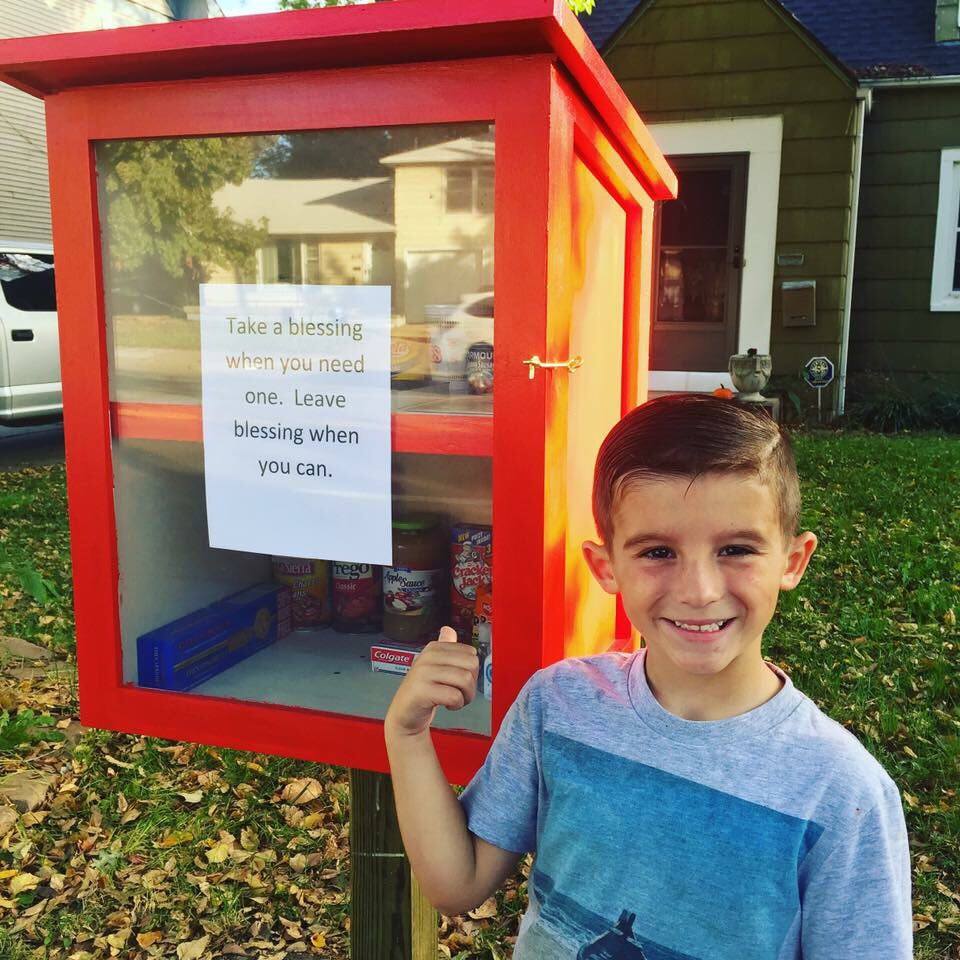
(309, 583)
(479, 367)
(471, 562)
(357, 599)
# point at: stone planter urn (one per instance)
(750, 372)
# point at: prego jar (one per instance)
(414, 588)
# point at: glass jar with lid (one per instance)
(414, 588)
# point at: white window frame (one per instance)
(943, 297)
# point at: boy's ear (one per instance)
(798, 556)
(598, 560)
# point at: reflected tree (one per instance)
(163, 227)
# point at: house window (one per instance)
(459, 190)
(288, 261)
(945, 286)
(484, 189)
(469, 189)
(311, 252)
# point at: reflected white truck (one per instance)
(29, 345)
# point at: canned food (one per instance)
(471, 559)
(309, 583)
(479, 367)
(357, 601)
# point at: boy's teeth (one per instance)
(704, 627)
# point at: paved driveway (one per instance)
(31, 446)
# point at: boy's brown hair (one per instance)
(686, 435)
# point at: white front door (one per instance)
(759, 139)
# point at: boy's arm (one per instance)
(856, 904)
(456, 870)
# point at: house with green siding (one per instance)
(817, 146)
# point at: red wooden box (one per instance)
(520, 162)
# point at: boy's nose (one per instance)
(699, 584)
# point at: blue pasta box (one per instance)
(199, 645)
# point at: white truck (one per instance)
(29, 344)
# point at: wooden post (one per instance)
(390, 918)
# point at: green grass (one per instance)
(870, 635)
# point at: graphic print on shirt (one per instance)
(662, 868)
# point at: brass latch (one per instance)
(535, 362)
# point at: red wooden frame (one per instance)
(426, 93)
(540, 121)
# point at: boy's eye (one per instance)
(737, 550)
(655, 553)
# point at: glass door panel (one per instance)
(408, 210)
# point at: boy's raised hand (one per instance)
(444, 674)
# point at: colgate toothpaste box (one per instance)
(393, 657)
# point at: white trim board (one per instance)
(942, 295)
(761, 138)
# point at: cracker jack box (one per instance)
(196, 647)
(393, 657)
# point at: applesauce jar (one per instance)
(414, 588)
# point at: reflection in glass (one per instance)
(693, 249)
(692, 285)
(411, 208)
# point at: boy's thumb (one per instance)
(447, 635)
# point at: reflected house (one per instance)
(443, 203)
(331, 230)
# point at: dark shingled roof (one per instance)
(873, 38)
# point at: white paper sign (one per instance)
(296, 420)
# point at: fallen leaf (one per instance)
(249, 839)
(22, 882)
(174, 837)
(486, 910)
(119, 939)
(318, 940)
(113, 761)
(149, 939)
(298, 862)
(302, 790)
(194, 796)
(193, 949)
(218, 853)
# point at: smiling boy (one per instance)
(686, 801)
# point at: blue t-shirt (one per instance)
(772, 835)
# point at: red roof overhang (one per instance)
(400, 31)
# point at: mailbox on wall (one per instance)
(348, 299)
